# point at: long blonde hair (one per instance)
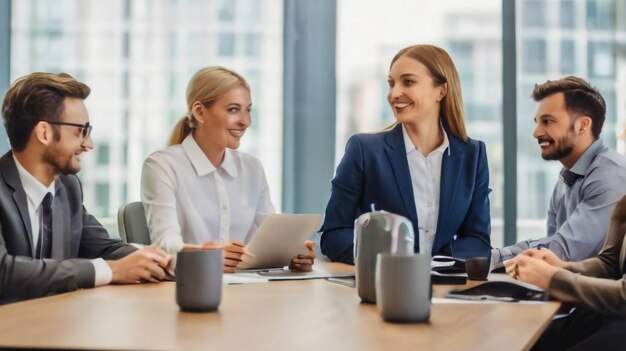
(442, 69)
(206, 86)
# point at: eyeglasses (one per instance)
(86, 127)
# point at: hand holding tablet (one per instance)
(279, 239)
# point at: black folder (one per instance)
(447, 279)
(501, 291)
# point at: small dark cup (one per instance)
(477, 268)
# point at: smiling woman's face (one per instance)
(412, 91)
(227, 119)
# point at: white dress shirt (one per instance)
(35, 192)
(426, 180)
(188, 200)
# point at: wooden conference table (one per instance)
(286, 315)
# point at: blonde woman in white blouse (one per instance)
(200, 192)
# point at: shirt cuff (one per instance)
(170, 245)
(104, 274)
(508, 252)
(175, 248)
(496, 259)
(505, 254)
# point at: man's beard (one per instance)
(564, 149)
(61, 164)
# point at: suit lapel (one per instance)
(450, 174)
(396, 153)
(12, 179)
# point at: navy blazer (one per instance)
(375, 170)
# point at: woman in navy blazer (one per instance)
(425, 167)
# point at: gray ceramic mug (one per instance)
(403, 289)
(199, 279)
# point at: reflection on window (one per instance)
(126, 45)
(534, 56)
(534, 13)
(253, 77)
(600, 14)
(103, 152)
(124, 156)
(102, 199)
(173, 45)
(124, 191)
(226, 44)
(568, 14)
(568, 57)
(253, 44)
(226, 10)
(610, 129)
(126, 9)
(601, 59)
(250, 10)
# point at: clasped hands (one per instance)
(536, 266)
(149, 264)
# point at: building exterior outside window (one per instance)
(584, 38)
(137, 56)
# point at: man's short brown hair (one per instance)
(37, 97)
(581, 99)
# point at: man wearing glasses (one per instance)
(48, 242)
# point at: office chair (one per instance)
(131, 221)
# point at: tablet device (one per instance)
(280, 238)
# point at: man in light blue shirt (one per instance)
(568, 121)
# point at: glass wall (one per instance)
(369, 35)
(585, 38)
(137, 56)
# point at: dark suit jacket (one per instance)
(76, 237)
(598, 283)
(375, 170)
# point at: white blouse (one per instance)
(188, 200)
(426, 180)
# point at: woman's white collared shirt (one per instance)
(188, 200)
(426, 180)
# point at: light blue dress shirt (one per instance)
(579, 213)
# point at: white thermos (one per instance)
(378, 232)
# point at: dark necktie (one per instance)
(44, 245)
(569, 177)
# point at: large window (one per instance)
(369, 35)
(137, 56)
(582, 38)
